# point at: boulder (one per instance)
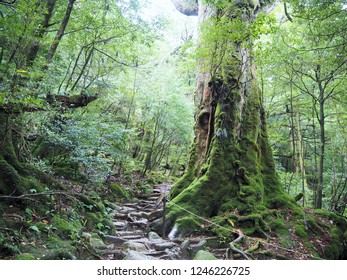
(134, 255)
(163, 246)
(134, 246)
(204, 255)
(154, 237)
(98, 244)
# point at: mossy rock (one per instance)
(108, 226)
(118, 191)
(335, 249)
(204, 255)
(64, 227)
(143, 191)
(97, 244)
(187, 225)
(54, 242)
(340, 221)
(25, 256)
(91, 205)
(60, 254)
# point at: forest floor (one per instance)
(125, 223)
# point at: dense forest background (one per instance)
(97, 106)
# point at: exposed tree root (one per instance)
(232, 247)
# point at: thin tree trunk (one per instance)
(60, 32)
(301, 159)
(321, 103)
(83, 68)
(35, 47)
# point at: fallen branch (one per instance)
(29, 196)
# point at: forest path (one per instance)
(135, 238)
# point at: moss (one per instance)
(108, 226)
(253, 225)
(187, 225)
(204, 255)
(41, 226)
(118, 191)
(53, 242)
(25, 256)
(288, 242)
(182, 183)
(91, 205)
(301, 232)
(312, 224)
(340, 221)
(277, 224)
(92, 219)
(64, 227)
(10, 180)
(335, 249)
(60, 254)
(145, 189)
(299, 196)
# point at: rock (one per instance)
(140, 223)
(204, 255)
(155, 214)
(163, 246)
(120, 215)
(59, 254)
(120, 225)
(154, 237)
(117, 241)
(133, 255)
(185, 249)
(127, 233)
(132, 237)
(140, 214)
(173, 233)
(126, 210)
(134, 246)
(214, 242)
(197, 247)
(98, 244)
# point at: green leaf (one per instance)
(35, 229)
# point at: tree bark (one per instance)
(10, 167)
(60, 32)
(35, 47)
(231, 167)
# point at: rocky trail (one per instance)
(135, 239)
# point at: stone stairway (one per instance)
(134, 239)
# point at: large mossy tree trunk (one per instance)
(10, 167)
(16, 177)
(231, 167)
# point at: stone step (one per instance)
(125, 233)
(120, 225)
(131, 205)
(163, 246)
(130, 237)
(120, 216)
(116, 240)
(140, 214)
(155, 253)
